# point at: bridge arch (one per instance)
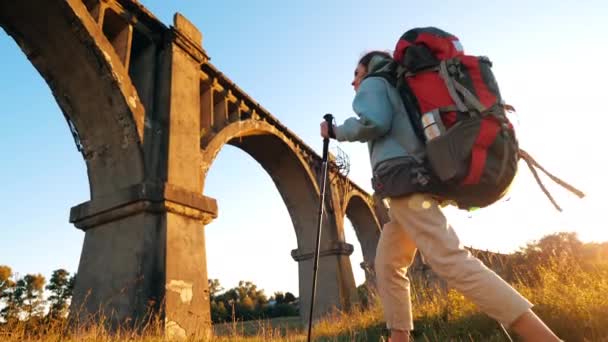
(107, 129)
(367, 228)
(296, 177)
(293, 175)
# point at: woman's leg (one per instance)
(394, 253)
(532, 328)
(424, 222)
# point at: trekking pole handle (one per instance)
(330, 119)
(330, 132)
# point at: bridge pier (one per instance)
(144, 248)
(335, 281)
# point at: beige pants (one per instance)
(417, 222)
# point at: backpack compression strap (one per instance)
(532, 163)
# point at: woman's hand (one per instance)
(325, 130)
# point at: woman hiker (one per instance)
(416, 221)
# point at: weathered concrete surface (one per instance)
(63, 42)
(187, 293)
(151, 114)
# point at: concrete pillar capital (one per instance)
(336, 248)
(143, 197)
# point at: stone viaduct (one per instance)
(149, 113)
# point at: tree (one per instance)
(286, 298)
(5, 277)
(249, 289)
(363, 294)
(279, 298)
(231, 296)
(596, 254)
(219, 313)
(560, 251)
(218, 301)
(28, 295)
(7, 294)
(246, 302)
(60, 286)
(283, 305)
(214, 288)
(246, 308)
(558, 245)
(289, 298)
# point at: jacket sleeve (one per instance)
(374, 110)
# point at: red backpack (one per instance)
(455, 104)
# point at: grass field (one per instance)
(573, 301)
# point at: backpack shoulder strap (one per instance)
(394, 75)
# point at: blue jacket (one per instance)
(382, 123)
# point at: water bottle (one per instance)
(432, 125)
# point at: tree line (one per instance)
(22, 299)
(247, 302)
(556, 251)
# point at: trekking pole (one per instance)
(329, 119)
(504, 330)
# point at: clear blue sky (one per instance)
(297, 59)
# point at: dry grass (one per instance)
(573, 302)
